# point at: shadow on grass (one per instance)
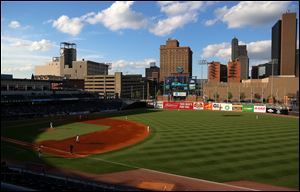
(232, 115)
(29, 129)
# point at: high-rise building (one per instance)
(244, 60)
(152, 77)
(234, 48)
(254, 72)
(152, 71)
(68, 53)
(284, 35)
(240, 52)
(297, 63)
(217, 72)
(67, 66)
(234, 71)
(276, 45)
(173, 57)
(129, 86)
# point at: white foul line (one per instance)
(125, 165)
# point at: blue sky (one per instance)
(129, 34)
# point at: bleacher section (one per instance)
(22, 106)
(16, 179)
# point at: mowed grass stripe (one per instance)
(200, 144)
(69, 130)
(217, 146)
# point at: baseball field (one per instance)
(215, 146)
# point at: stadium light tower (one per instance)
(202, 62)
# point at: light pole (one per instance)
(155, 92)
(227, 93)
(239, 93)
(201, 63)
(143, 93)
(262, 94)
(251, 93)
(131, 92)
(273, 61)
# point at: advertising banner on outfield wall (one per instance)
(226, 107)
(237, 108)
(159, 105)
(260, 109)
(186, 105)
(171, 105)
(216, 106)
(248, 108)
(277, 111)
(208, 106)
(198, 106)
(178, 105)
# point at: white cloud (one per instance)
(222, 50)
(14, 24)
(121, 16)
(118, 16)
(219, 13)
(130, 67)
(250, 13)
(25, 68)
(167, 26)
(42, 45)
(178, 14)
(19, 56)
(72, 26)
(258, 51)
(172, 8)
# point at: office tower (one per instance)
(234, 48)
(284, 44)
(234, 71)
(217, 72)
(172, 57)
(240, 52)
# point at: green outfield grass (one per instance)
(69, 130)
(217, 146)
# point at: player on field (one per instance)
(71, 149)
(77, 138)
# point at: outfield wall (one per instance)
(220, 107)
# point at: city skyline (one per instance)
(129, 34)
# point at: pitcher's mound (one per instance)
(156, 186)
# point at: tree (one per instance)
(216, 96)
(242, 96)
(229, 95)
(257, 96)
(137, 94)
(158, 93)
